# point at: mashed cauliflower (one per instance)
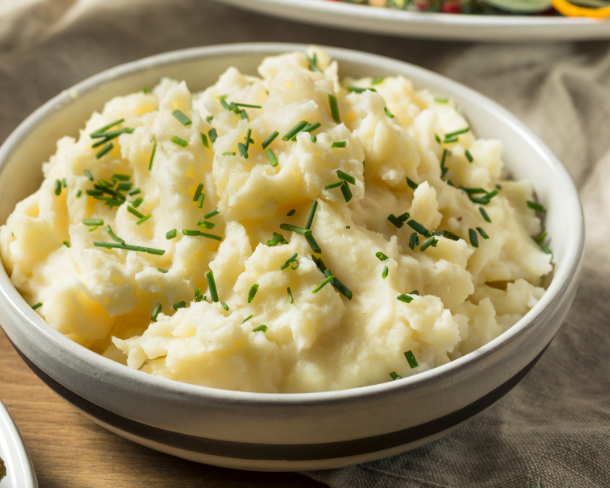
(176, 241)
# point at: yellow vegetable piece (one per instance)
(566, 8)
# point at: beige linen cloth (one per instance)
(555, 425)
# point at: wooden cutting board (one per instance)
(70, 451)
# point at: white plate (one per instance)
(19, 469)
(514, 28)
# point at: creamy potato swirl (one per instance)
(437, 279)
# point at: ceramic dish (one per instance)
(286, 431)
(19, 469)
(515, 28)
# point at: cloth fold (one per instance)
(555, 425)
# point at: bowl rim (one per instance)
(560, 282)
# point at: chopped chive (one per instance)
(114, 237)
(225, 306)
(295, 130)
(242, 150)
(211, 214)
(376, 81)
(124, 186)
(92, 229)
(540, 237)
(384, 273)
(252, 293)
(79, 193)
(414, 292)
(313, 139)
(261, 328)
(381, 256)
(473, 191)
(412, 184)
(57, 187)
(271, 157)
(336, 184)
(181, 117)
(441, 100)
(94, 193)
(456, 133)
(334, 108)
(67, 244)
(404, 298)
(161, 270)
(323, 284)
(247, 318)
(395, 376)
(88, 174)
(244, 115)
(170, 234)
(449, 140)
(204, 140)
(347, 227)
(104, 151)
(438, 139)
(144, 219)
(533, 205)
(312, 213)
(313, 63)
(248, 139)
(276, 239)
(198, 192)
(108, 136)
(483, 233)
(206, 225)
(224, 103)
(106, 184)
(545, 248)
(181, 142)
(209, 118)
(156, 311)
(395, 220)
(178, 305)
(198, 233)
(152, 154)
(212, 286)
(339, 144)
(197, 290)
(311, 127)
(247, 105)
(270, 139)
(113, 202)
(433, 241)
(133, 211)
(411, 359)
(294, 228)
(357, 89)
(93, 222)
(106, 127)
(485, 199)
(37, 305)
(417, 227)
(200, 201)
(200, 298)
(474, 239)
(291, 213)
(290, 295)
(345, 177)
(484, 214)
(121, 177)
(64, 183)
(313, 244)
(228, 153)
(388, 113)
(213, 135)
(289, 261)
(347, 193)
(127, 247)
(468, 156)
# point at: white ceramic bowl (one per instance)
(19, 469)
(285, 432)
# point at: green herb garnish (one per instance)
(474, 239)
(261, 328)
(156, 311)
(113, 236)
(411, 359)
(433, 241)
(95, 134)
(294, 228)
(404, 298)
(384, 273)
(395, 376)
(484, 214)
(37, 305)
(388, 113)
(213, 135)
(171, 234)
(57, 187)
(290, 295)
(270, 139)
(204, 141)
(289, 261)
(212, 286)
(334, 108)
(295, 130)
(198, 233)
(181, 117)
(323, 284)
(468, 156)
(412, 184)
(535, 206)
(152, 154)
(381, 256)
(95, 222)
(483, 233)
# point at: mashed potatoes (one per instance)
(205, 270)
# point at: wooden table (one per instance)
(68, 450)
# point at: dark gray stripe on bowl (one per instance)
(281, 452)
